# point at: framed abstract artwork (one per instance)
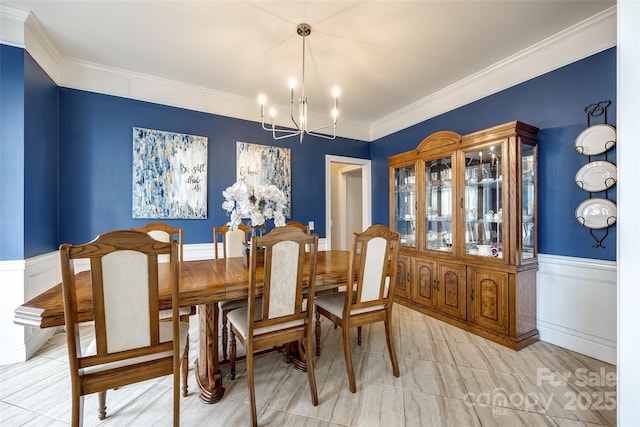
(264, 165)
(169, 175)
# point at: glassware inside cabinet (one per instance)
(528, 201)
(438, 204)
(483, 202)
(405, 204)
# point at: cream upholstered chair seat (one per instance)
(166, 334)
(334, 304)
(240, 321)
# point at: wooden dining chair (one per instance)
(280, 316)
(233, 245)
(368, 297)
(163, 232)
(299, 225)
(233, 241)
(131, 344)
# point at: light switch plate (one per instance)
(311, 225)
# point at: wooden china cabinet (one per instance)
(466, 209)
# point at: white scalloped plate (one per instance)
(596, 213)
(597, 176)
(595, 139)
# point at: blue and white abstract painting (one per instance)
(265, 165)
(169, 175)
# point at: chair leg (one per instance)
(225, 336)
(310, 370)
(347, 358)
(232, 343)
(252, 393)
(77, 409)
(102, 405)
(317, 333)
(176, 395)
(359, 335)
(185, 369)
(390, 347)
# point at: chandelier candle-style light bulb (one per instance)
(300, 127)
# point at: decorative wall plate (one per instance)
(595, 139)
(597, 176)
(596, 213)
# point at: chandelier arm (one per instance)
(323, 127)
(322, 135)
(274, 128)
(280, 130)
(292, 118)
(295, 133)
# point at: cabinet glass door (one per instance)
(483, 201)
(405, 204)
(528, 201)
(438, 204)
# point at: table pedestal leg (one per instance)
(207, 370)
(296, 353)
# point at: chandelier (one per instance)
(301, 125)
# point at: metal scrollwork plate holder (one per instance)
(595, 140)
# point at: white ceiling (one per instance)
(384, 55)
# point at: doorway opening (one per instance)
(348, 199)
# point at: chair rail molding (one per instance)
(576, 305)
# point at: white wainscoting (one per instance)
(576, 302)
(23, 280)
(577, 305)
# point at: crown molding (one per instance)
(12, 25)
(593, 35)
(579, 41)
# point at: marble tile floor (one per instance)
(448, 377)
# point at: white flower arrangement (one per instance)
(257, 203)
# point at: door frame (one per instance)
(365, 165)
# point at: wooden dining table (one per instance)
(203, 283)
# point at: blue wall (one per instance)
(40, 161)
(28, 157)
(11, 152)
(96, 163)
(554, 103)
(92, 134)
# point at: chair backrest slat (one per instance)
(299, 225)
(283, 276)
(163, 232)
(233, 241)
(125, 292)
(373, 264)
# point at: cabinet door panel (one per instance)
(425, 273)
(452, 290)
(489, 293)
(403, 278)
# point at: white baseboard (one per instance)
(576, 305)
